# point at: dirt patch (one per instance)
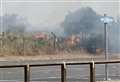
(56, 57)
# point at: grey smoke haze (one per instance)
(18, 24)
(83, 20)
(14, 23)
(86, 20)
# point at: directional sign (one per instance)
(106, 19)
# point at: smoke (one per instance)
(83, 20)
(13, 23)
(114, 36)
(86, 21)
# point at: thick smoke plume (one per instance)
(86, 21)
(83, 20)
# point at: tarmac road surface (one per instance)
(76, 73)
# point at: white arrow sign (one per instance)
(107, 19)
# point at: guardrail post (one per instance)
(27, 73)
(63, 72)
(92, 72)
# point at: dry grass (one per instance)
(47, 54)
(60, 56)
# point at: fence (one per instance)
(63, 68)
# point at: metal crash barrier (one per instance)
(63, 68)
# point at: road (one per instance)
(50, 74)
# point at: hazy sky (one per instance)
(51, 12)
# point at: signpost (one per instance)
(106, 20)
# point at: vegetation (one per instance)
(84, 24)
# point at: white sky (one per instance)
(51, 12)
